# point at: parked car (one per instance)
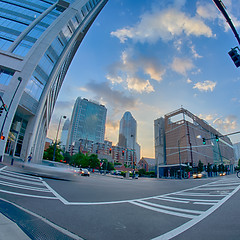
(85, 172)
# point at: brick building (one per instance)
(179, 139)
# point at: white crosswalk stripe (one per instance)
(23, 185)
(189, 201)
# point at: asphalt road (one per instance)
(103, 207)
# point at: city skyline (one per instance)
(151, 58)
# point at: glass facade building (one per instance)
(38, 40)
(87, 122)
(127, 131)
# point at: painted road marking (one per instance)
(171, 208)
(20, 176)
(163, 211)
(27, 195)
(11, 179)
(175, 232)
(20, 180)
(23, 187)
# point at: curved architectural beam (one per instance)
(40, 55)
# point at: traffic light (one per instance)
(204, 141)
(122, 152)
(5, 107)
(235, 56)
(110, 150)
(2, 137)
(1, 109)
(217, 138)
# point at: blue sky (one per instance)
(151, 58)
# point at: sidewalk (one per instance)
(9, 230)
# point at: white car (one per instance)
(85, 172)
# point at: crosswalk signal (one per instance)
(235, 56)
(2, 137)
(204, 141)
(1, 110)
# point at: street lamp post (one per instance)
(55, 144)
(133, 158)
(179, 156)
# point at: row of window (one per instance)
(49, 59)
(16, 15)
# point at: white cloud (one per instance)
(134, 71)
(207, 11)
(211, 12)
(205, 86)
(189, 80)
(208, 117)
(181, 66)
(164, 25)
(116, 99)
(139, 85)
(227, 124)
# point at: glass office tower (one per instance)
(87, 122)
(38, 40)
(127, 131)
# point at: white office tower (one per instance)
(128, 134)
(64, 134)
(38, 40)
(87, 122)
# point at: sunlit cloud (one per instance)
(189, 80)
(83, 89)
(135, 71)
(139, 85)
(181, 66)
(165, 25)
(227, 124)
(208, 117)
(205, 86)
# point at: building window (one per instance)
(16, 136)
(5, 76)
(34, 88)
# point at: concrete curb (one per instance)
(9, 230)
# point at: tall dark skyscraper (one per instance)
(87, 122)
(38, 40)
(127, 131)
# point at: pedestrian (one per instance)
(30, 158)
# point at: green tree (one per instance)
(214, 169)
(79, 160)
(94, 161)
(142, 172)
(67, 157)
(48, 154)
(220, 168)
(200, 166)
(110, 166)
(209, 168)
(188, 169)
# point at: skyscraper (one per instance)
(64, 134)
(127, 131)
(128, 134)
(87, 122)
(38, 40)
